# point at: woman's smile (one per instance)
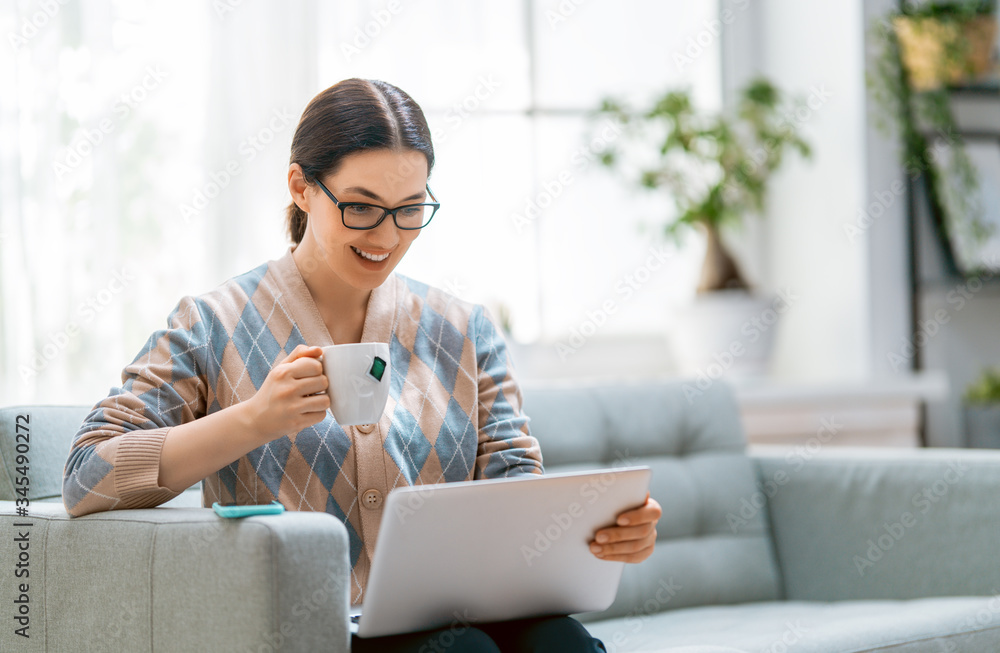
(371, 259)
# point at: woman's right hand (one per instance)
(287, 401)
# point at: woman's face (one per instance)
(364, 258)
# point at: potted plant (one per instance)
(982, 410)
(922, 51)
(716, 168)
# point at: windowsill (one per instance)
(783, 412)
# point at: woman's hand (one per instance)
(633, 539)
(287, 401)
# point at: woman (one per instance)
(233, 392)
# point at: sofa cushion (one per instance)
(932, 625)
(869, 523)
(51, 430)
(695, 447)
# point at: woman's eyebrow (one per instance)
(367, 193)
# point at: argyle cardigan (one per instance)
(453, 413)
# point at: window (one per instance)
(152, 147)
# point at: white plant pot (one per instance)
(982, 426)
(726, 334)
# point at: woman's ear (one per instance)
(297, 186)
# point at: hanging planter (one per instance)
(920, 52)
(947, 45)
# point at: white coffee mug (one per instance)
(359, 375)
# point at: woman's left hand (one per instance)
(634, 536)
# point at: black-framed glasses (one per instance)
(358, 215)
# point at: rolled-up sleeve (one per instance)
(114, 461)
(506, 446)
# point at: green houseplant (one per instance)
(716, 168)
(982, 410)
(921, 52)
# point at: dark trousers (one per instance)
(533, 635)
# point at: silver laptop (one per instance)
(478, 551)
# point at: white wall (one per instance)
(813, 50)
(886, 212)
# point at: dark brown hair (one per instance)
(351, 116)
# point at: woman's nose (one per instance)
(386, 235)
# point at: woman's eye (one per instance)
(360, 211)
(411, 211)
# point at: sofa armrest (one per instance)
(883, 523)
(176, 579)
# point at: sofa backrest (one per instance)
(49, 431)
(691, 439)
(709, 549)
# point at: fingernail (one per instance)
(602, 537)
(595, 548)
(623, 521)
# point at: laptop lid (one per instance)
(496, 549)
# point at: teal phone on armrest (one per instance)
(231, 510)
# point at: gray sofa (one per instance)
(819, 550)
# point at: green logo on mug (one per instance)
(378, 369)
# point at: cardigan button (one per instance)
(371, 499)
(365, 428)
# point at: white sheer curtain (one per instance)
(122, 123)
(96, 132)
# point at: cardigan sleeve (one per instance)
(506, 446)
(114, 461)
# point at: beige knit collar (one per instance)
(379, 318)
